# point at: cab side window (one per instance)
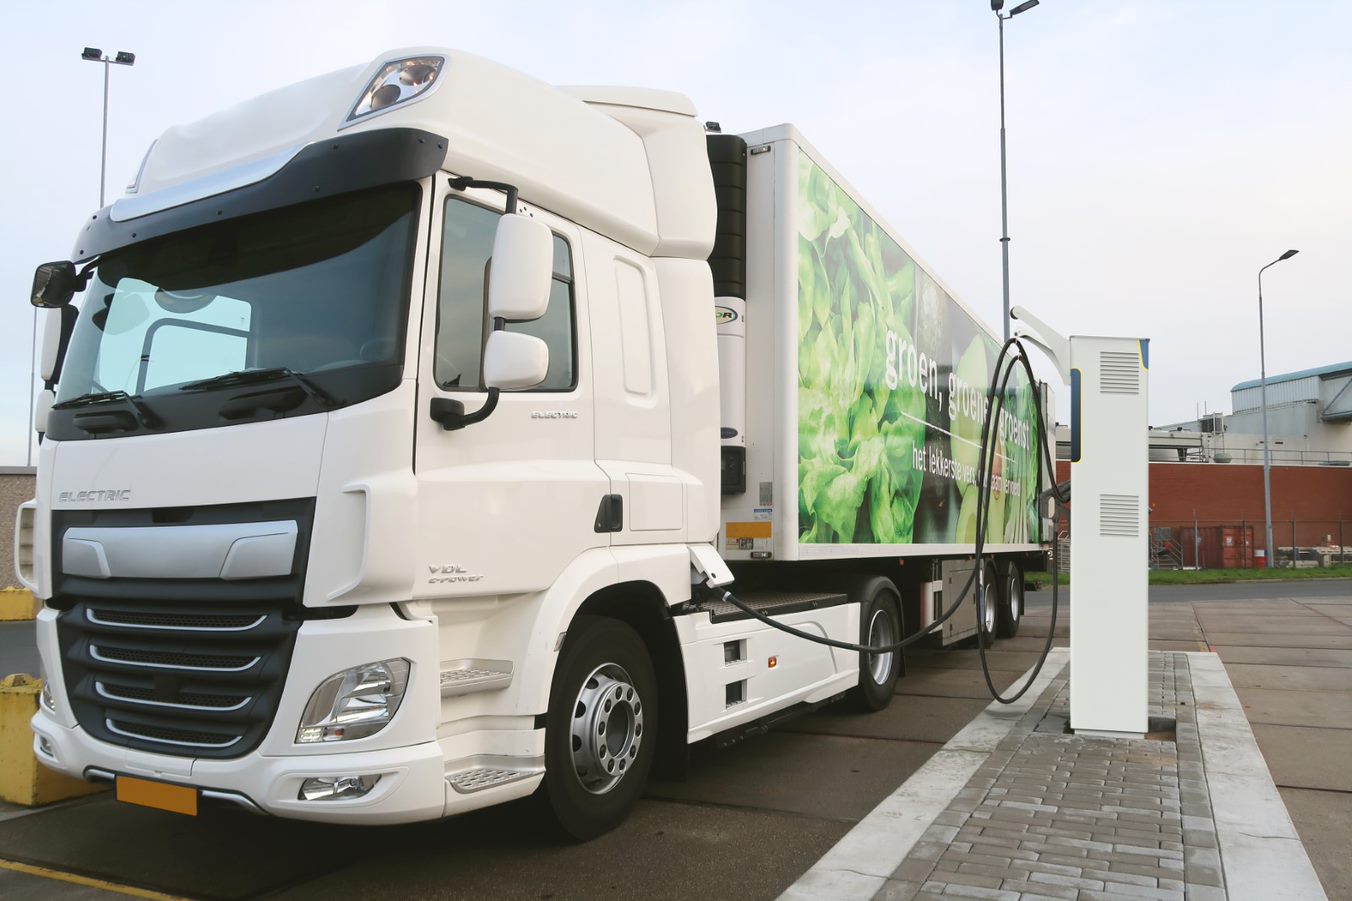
(462, 320)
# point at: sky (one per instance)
(1159, 152)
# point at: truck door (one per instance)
(504, 504)
(633, 407)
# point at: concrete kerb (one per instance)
(861, 862)
(1261, 853)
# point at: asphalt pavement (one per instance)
(749, 819)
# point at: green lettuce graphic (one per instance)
(868, 434)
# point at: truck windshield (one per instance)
(320, 289)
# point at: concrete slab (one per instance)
(908, 718)
(998, 657)
(1262, 853)
(1268, 626)
(1290, 678)
(1028, 639)
(1321, 818)
(1306, 757)
(1284, 656)
(954, 683)
(665, 851)
(1327, 709)
(1258, 639)
(827, 776)
(1342, 613)
(1172, 645)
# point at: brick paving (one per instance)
(1054, 815)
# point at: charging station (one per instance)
(1109, 457)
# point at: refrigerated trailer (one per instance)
(412, 419)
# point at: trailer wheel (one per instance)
(601, 728)
(879, 624)
(988, 613)
(1011, 601)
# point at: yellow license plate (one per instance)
(159, 795)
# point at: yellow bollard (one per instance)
(23, 780)
(17, 604)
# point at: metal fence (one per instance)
(1228, 544)
(1213, 544)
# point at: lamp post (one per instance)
(123, 58)
(93, 55)
(996, 6)
(1267, 451)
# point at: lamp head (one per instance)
(997, 5)
(125, 58)
(1288, 255)
(1023, 8)
(92, 53)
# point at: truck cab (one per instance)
(282, 563)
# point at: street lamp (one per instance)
(996, 6)
(1267, 452)
(93, 55)
(123, 58)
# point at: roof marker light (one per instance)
(398, 81)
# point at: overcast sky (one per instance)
(1159, 152)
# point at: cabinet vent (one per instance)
(1119, 372)
(1119, 515)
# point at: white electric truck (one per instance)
(404, 418)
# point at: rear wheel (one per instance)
(988, 612)
(1011, 601)
(879, 624)
(601, 728)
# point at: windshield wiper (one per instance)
(144, 415)
(257, 376)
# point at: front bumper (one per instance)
(412, 784)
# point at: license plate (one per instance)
(159, 795)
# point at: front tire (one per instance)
(879, 624)
(601, 727)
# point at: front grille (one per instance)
(187, 700)
(194, 621)
(192, 668)
(171, 659)
(186, 690)
(170, 736)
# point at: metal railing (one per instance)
(1280, 457)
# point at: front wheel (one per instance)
(601, 727)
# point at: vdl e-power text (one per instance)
(405, 418)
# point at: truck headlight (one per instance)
(398, 81)
(354, 703)
(45, 697)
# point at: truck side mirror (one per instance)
(513, 361)
(522, 268)
(54, 284)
